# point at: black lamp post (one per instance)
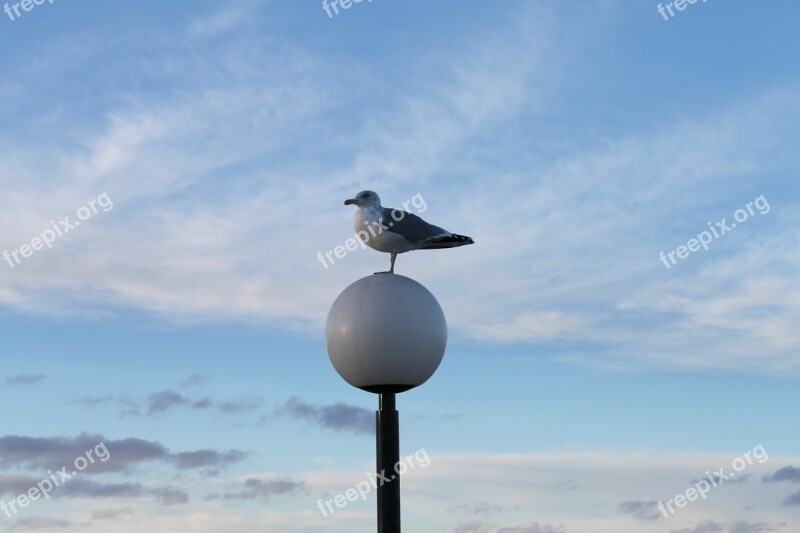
(387, 425)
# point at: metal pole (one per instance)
(388, 454)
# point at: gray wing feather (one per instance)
(411, 226)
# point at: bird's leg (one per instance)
(391, 268)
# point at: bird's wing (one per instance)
(411, 227)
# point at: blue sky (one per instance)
(211, 145)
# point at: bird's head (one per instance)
(365, 199)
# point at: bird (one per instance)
(395, 231)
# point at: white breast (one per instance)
(365, 222)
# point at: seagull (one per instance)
(395, 231)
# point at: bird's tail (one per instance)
(448, 241)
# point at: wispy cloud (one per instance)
(787, 473)
(195, 380)
(482, 508)
(110, 514)
(640, 509)
(532, 527)
(338, 416)
(170, 496)
(472, 527)
(793, 499)
(259, 488)
(40, 522)
(712, 526)
(207, 458)
(43, 453)
(24, 379)
(165, 401)
(160, 402)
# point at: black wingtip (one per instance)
(463, 239)
(449, 241)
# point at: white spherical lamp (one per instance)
(386, 333)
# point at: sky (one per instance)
(625, 325)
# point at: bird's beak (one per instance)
(350, 201)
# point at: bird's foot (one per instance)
(385, 272)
